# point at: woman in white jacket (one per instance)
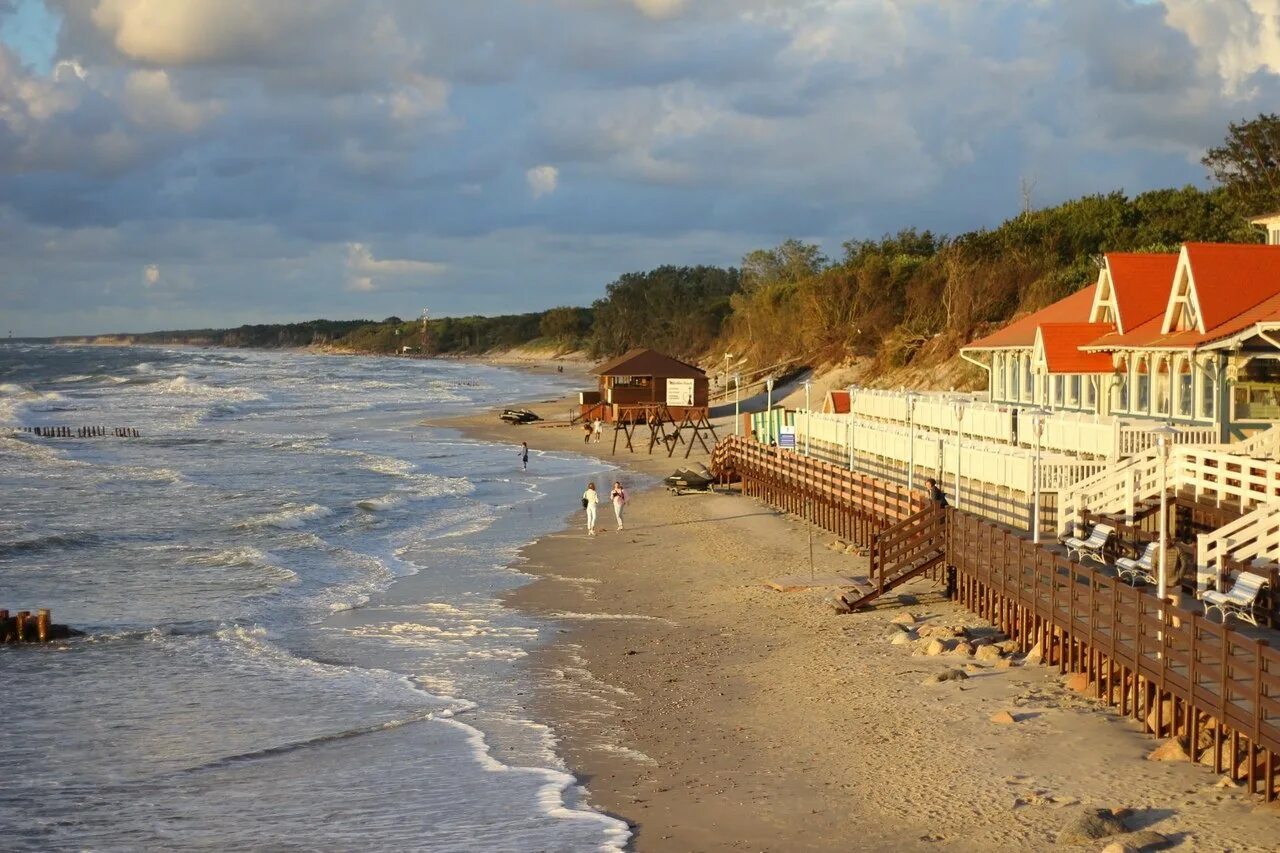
(590, 502)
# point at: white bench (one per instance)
(1141, 569)
(1092, 546)
(1238, 601)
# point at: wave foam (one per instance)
(288, 517)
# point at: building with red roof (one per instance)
(1192, 337)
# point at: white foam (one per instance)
(289, 517)
(551, 794)
(593, 617)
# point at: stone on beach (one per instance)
(1170, 750)
(946, 675)
(987, 654)
(1089, 823)
(902, 639)
(907, 618)
(1035, 656)
(934, 647)
(1003, 718)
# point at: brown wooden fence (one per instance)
(852, 506)
(1214, 688)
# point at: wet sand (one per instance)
(714, 713)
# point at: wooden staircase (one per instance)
(899, 553)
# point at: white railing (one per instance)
(1138, 438)
(1260, 445)
(1115, 489)
(1255, 536)
(1227, 478)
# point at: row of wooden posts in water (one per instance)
(81, 432)
(22, 627)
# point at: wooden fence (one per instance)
(1215, 689)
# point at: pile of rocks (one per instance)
(932, 639)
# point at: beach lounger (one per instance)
(1093, 545)
(1237, 602)
(1141, 569)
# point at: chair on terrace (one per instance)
(1237, 602)
(1093, 545)
(1141, 569)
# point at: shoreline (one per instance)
(712, 713)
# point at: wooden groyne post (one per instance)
(22, 628)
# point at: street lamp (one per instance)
(737, 401)
(1037, 425)
(727, 356)
(911, 448)
(807, 416)
(768, 406)
(853, 429)
(1165, 435)
(958, 407)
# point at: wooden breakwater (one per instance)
(24, 627)
(82, 431)
(1214, 689)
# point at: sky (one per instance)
(172, 164)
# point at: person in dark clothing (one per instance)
(935, 493)
(524, 456)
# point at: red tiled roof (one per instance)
(1148, 334)
(1062, 342)
(1022, 333)
(1232, 278)
(1141, 284)
(839, 402)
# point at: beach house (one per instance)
(1191, 338)
(640, 380)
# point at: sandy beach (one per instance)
(714, 713)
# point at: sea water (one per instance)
(290, 590)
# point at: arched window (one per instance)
(1208, 391)
(1057, 390)
(1015, 376)
(1073, 391)
(997, 376)
(1028, 395)
(1142, 381)
(1122, 385)
(1186, 389)
(1091, 392)
(1162, 389)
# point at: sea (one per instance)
(290, 590)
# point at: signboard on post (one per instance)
(787, 437)
(679, 392)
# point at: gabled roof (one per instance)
(1149, 336)
(839, 402)
(1021, 334)
(646, 362)
(1060, 343)
(1140, 283)
(1232, 278)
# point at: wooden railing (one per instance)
(1183, 675)
(852, 506)
(907, 547)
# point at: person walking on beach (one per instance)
(599, 429)
(586, 431)
(524, 456)
(590, 502)
(619, 499)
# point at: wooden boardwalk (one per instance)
(1214, 688)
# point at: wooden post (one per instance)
(20, 625)
(43, 621)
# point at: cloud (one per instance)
(366, 273)
(151, 275)
(149, 99)
(542, 180)
(660, 9)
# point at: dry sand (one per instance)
(714, 713)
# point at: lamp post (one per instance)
(1165, 434)
(808, 415)
(958, 407)
(911, 447)
(727, 356)
(737, 401)
(768, 406)
(1037, 425)
(853, 429)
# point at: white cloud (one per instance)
(151, 275)
(542, 180)
(1235, 39)
(418, 96)
(660, 9)
(151, 102)
(366, 273)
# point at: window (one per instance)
(1162, 389)
(1057, 390)
(997, 376)
(1208, 391)
(1073, 397)
(1142, 404)
(1186, 390)
(1027, 387)
(1014, 368)
(1091, 392)
(1122, 386)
